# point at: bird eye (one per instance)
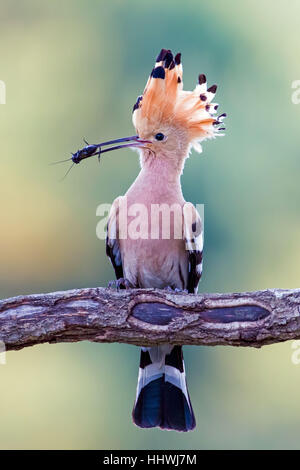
(159, 136)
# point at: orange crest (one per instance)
(165, 102)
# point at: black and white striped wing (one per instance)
(193, 235)
(112, 240)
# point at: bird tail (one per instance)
(162, 398)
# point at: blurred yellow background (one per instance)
(73, 69)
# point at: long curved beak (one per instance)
(96, 149)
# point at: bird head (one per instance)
(171, 119)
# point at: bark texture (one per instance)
(149, 317)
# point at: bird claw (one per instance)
(121, 283)
(169, 289)
(176, 289)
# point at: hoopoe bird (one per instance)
(169, 122)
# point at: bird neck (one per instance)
(157, 181)
(161, 168)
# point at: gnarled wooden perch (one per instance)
(148, 317)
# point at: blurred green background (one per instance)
(73, 69)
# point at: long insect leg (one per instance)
(61, 161)
(68, 171)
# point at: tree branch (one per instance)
(149, 317)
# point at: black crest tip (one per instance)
(137, 103)
(213, 89)
(161, 55)
(168, 59)
(178, 58)
(201, 79)
(158, 72)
